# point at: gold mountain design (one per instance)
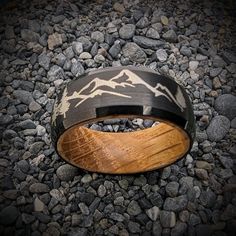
(131, 81)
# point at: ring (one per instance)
(122, 92)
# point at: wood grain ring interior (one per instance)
(120, 153)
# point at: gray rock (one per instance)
(3, 102)
(127, 31)
(8, 215)
(85, 42)
(27, 124)
(117, 217)
(76, 68)
(23, 96)
(83, 208)
(172, 189)
(167, 219)
(143, 22)
(34, 26)
(29, 36)
(57, 194)
(194, 219)
(86, 179)
(140, 181)
(218, 128)
(215, 71)
(96, 127)
(77, 47)
(184, 216)
(97, 36)
(133, 208)
(185, 51)
(233, 123)
(9, 134)
(134, 227)
(166, 172)
(201, 174)
(203, 230)
(39, 188)
(55, 73)
(23, 165)
(44, 60)
(134, 53)
(27, 218)
(229, 213)
(229, 57)
(115, 50)
(208, 198)
(145, 42)
(101, 191)
(225, 105)
(161, 55)
(59, 59)
(66, 172)
(153, 213)
(170, 36)
(152, 33)
(36, 147)
(9, 32)
(175, 204)
(218, 62)
(227, 162)
(6, 119)
(179, 229)
(34, 106)
(69, 53)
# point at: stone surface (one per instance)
(134, 52)
(145, 42)
(66, 172)
(8, 215)
(127, 31)
(168, 219)
(218, 128)
(54, 40)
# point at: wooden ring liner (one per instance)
(122, 92)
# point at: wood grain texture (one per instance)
(123, 153)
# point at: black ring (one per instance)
(121, 91)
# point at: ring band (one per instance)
(122, 92)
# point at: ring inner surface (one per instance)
(123, 153)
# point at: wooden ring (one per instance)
(122, 92)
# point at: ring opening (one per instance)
(123, 152)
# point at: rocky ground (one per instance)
(45, 44)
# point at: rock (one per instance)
(167, 219)
(166, 172)
(164, 20)
(215, 72)
(40, 130)
(133, 208)
(227, 162)
(225, 105)
(172, 189)
(86, 179)
(193, 65)
(54, 40)
(134, 52)
(23, 96)
(23, 165)
(99, 58)
(85, 55)
(185, 51)
(194, 219)
(170, 36)
(203, 230)
(55, 73)
(3, 102)
(218, 128)
(9, 134)
(38, 205)
(201, 174)
(229, 213)
(229, 57)
(38, 188)
(60, 59)
(27, 218)
(145, 42)
(179, 229)
(34, 106)
(66, 172)
(143, 22)
(184, 216)
(218, 62)
(175, 204)
(97, 36)
(152, 33)
(127, 31)
(69, 53)
(36, 147)
(76, 68)
(27, 124)
(8, 215)
(203, 165)
(29, 36)
(85, 42)
(119, 7)
(115, 50)
(34, 26)
(207, 198)
(134, 227)
(83, 208)
(101, 191)
(117, 217)
(6, 119)
(77, 47)
(161, 55)
(140, 181)
(57, 194)
(153, 213)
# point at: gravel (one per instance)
(46, 45)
